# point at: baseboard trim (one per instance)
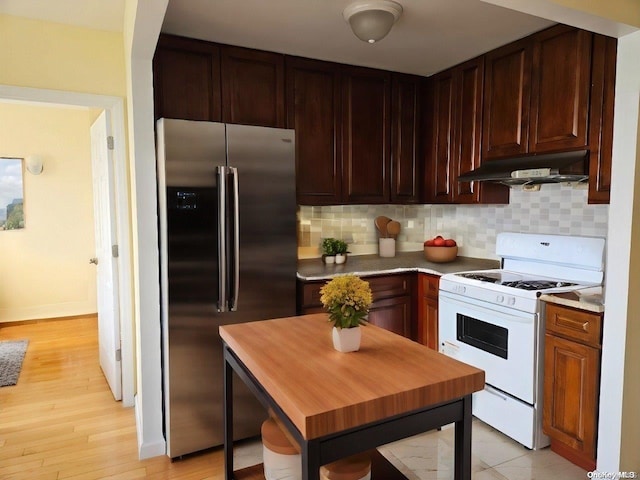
(147, 448)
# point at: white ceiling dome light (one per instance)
(372, 21)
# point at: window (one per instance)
(11, 194)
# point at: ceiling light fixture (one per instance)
(372, 21)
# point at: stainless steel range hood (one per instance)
(532, 169)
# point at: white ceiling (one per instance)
(430, 36)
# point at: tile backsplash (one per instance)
(555, 209)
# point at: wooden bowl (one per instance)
(440, 254)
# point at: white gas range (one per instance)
(493, 320)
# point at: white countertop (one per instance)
(589, 299)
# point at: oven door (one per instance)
(496, 339)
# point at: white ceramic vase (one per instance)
(341, 258)
(329, 259)
(347, 339)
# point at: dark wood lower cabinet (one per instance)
(572, 383)
(393, 302)
(393, 314)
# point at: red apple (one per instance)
(429, 243)
(438, 241)
(450, 242)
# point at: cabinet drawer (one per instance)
(387, 286)
(584, 327)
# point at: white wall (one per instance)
(619, 426)
(143, 19)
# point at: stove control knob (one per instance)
(511, 301)
(500, 298)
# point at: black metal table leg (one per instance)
(311, 461)
(462, 460)
(228, 419)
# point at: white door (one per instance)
(106, 256)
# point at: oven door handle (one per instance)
(497, 393)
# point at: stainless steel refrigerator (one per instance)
(228, 254)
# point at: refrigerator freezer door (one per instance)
(188, 154)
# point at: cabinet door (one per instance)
(427, 333)
(603, 79)
(392, 314)
(507, 93)
(313, 110)
(252, 87)
(571, 380)
(186, 79)
(470, 80)
(560, 89)
(366, 102)
(440, 132)
(406, 171)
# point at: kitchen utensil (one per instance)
(381, 224)
(393, 228)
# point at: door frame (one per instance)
(115, 106)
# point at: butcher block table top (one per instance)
(324, 391)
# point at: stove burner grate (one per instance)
(480, 276)
(521, 284)
(536, 284)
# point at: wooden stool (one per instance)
(355, 467)
(281, 458)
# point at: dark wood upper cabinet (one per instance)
(252, 87)
(455, 133)
(468, 138)
(507, 91)
(186, 80)
(603, 79)
(406, 141)
(441, 104)
(313, 110)
(560, 89)
(366, 136)
(366, 122)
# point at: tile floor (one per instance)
(429, 456)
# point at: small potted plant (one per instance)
(341, 249)
(347, 299)
(328, 247)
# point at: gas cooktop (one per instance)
(507, 279)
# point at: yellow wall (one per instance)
(623, 11)
(60, 57)
(44, 267)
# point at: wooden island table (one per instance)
(338, 404)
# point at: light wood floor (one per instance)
(61, 422)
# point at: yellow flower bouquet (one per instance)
(347, 298)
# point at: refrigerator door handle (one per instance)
(233, 304)
(221, 178)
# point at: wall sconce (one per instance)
(371, 21)
(34, 164)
